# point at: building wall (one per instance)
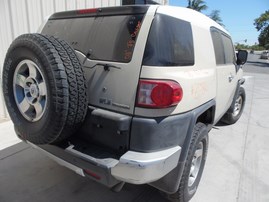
(24, 16)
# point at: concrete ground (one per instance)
(236, 169)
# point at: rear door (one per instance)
(226, 71)
(110, 46)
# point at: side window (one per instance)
(170, 43)
(228, 49)
(223, 47)
(218, 47)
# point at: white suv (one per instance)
(126, 94)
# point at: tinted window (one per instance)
(223, 47)
(218, 47)
(228, 49)
(170, 43)
(113, 38)
(110, 38)
(129, 2)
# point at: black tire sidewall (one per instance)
(201, 137)
(63, 75)
(32, 131)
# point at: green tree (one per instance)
(198, 5)
(215, 15)
(239, 46)
(262, 25)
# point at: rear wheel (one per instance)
(44, 88)
(194, 165)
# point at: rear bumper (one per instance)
(141, 168)
(154, 149)
(132, 167)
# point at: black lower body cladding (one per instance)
(106, 129)
(44, 88)
(148, 134)
(193, 168)
(155, 134)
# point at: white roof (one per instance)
(190, 15)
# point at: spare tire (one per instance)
(44, 88)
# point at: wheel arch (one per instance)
(207, 117)
(205, 114)
(239, 83)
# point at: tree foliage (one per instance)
(262, 24)
(198, 5)
(239, 46)
(215, 15)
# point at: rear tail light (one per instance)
(88, 10)
(158, 94)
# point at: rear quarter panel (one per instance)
(198, 81)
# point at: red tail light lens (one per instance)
(158, 94)
(89, 10)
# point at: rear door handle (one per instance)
(230, 77)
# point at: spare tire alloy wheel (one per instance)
(30, 91)
(44, 88)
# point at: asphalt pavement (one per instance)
(236, 169)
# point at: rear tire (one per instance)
(44, 88)
(194, 165)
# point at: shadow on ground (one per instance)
(28, 175)
(259, 64)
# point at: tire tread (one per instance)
(66, 80)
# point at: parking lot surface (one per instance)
(236, 169)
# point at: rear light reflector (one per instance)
(92, 174)
(158, 93)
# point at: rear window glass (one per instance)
(112, 38)
(108, 38)
(170, 43)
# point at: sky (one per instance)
(237, 16)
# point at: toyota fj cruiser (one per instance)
(125, 94)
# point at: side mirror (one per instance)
(242, 57)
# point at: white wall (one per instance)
(164, 2)
(24, 16)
